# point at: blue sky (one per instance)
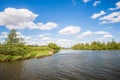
(65, 22)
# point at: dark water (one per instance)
(65, 65)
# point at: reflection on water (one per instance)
(10, 70)
(65, 65)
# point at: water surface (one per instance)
(65, 65)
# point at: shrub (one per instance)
(13, 49)
(53, 46)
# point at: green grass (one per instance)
(32, 54)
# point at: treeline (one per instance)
(96, 45)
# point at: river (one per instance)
(65, 65)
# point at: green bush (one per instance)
(53, 46)
(13, 49)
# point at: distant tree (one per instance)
(53, 46)
(113, 45)
(96, 45)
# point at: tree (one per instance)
(13, 38)
(53, 46)
(113, 45)
(13, 45)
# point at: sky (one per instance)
(64, 22)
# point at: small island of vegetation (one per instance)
(14, 49)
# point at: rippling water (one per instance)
(65, 65)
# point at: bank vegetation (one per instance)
(14, 49)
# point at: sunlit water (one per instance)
(65, 65)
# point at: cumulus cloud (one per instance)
(85, 1)
(44, 35)
(101, 32)
(13, 18)
(85, 34)
(117, 6)
(70, 30)
(105, 35)
(96, 15)
(3, 35)
(45, 38)
(20, 35)
(111, 18)
(96, 3)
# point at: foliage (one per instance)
(14, 49)
(13, 38)
(13, 45)
(96, 45)
(53, 46)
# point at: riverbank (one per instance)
(32, 54)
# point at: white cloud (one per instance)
(104, 35)
(111, 18)
(47, 26)
(3, 35)
(70, 30)
(43, 35)
(96, 3)
(107, 36)
(45, 38)
(20, 35)
(28, 37)
(101, 32)
(85, 1)
(96, 15)
(103, 22)
(14, 18)
(85, 34)
(117, 6)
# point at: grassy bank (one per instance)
(32, 54)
